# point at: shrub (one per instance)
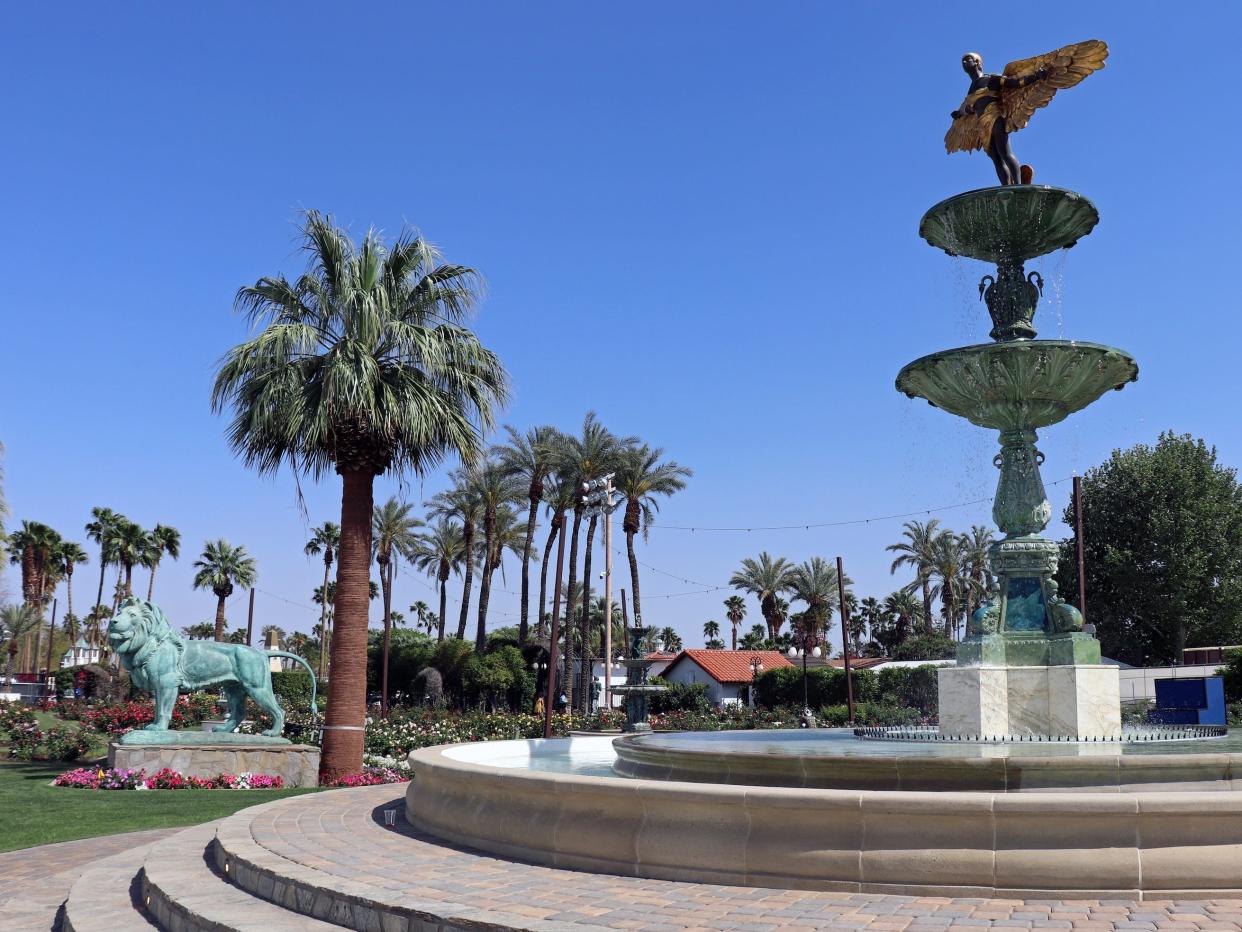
(62, 742)
(293, 687)
(782, 686)
(934, 646)
(374, 776)
(679, 697)
(914, 687)
(1231, 673)
(118, 718)
(13, 714)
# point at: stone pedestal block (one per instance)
(297, 764)
(1080, 700)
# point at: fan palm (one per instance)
(164, 540)
(918, 551)
(438, 553)
(325, 539)
(765, 578)
(100, 531)
(461, 504)
(529, 458)
(905, 609)
(95, 626)
(422, 611)
(670, 640)
(131, 546)
(362, 367)
(735, 611)
(221, 567)
(559, 495)
(34, 547)
(753, 639)
(640, 478)
(393, 536)
(66, 556)
(17, 623)
(711, 630)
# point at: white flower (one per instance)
(142, 786)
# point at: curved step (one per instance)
(104, 898)
(183, 891)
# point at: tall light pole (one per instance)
(597, 497)
(756, 667)
(845, 639)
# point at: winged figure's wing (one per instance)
(966, 134)
(1066, 67)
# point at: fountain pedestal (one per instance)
(1074, 701)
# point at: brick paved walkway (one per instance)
(341, 835)
(35, 881)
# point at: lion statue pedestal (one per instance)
(164, 664)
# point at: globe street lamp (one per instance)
(807, 643)
(756, 667)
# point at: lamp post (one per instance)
(809, 645)
(756, 667)
(539, 667)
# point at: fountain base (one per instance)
(1080, 701)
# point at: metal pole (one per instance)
(608, 598)
(1078, 546)
(806, 702)
(250, 620)
(552, 644)
(845, 640)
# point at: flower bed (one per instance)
(94, 778)
(374, 776)
(117, 719)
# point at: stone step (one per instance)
(105, 897)
(183, 891)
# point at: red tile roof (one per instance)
(731, 666)
(660, 655)
(857, 663)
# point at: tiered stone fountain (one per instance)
(1026, 668)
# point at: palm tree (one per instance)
(765, 578)
(735, 611)
(362, 367)
(299, 643)
(559, 495)
(868, 618)
(949, 568)
(753, 639)
(66, 555)
(17, 623)
(164, 540)
(461, 504)
(71, 625)
(640, 478)
(581, 459)
(670, 640)
(131, 546)
(35, 547)
(325, 539)
(905, 609)
(492, 489)
(422, 611)
(529, 458)
(95, 626)
(711, 632)
(438, 553)
(978, 571)
(392, 531)
(814, 584)
(918, 551)
(100, 531)
(221, 567)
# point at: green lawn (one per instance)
(32, 812)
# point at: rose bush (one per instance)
(96, 778)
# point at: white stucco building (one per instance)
(726, 673)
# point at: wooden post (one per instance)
(1078, 546)
(552, 643)
(845, 640)
(250, 620)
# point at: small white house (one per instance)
(727, 673)
(80, 653)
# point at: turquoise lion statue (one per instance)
(164, 664)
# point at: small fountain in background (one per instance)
(637, 690)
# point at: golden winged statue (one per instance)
(999, 104)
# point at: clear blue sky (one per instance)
(698, 219)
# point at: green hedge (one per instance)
(895, 687)
(1231, 672)
(679, 697)
(293, 687)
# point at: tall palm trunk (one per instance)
(386, 574)
(536, 496)
(323, 618)
(950, 607)
(768, 607)
(569, 614)
(151, 582)
(468, 539)
(734, 634)
(444, 575)
(347, 687)
(221, 595)
(588, 680)
(558, 518)
(485, 579)
(51, 638)
(929, 620)
(103, 567)
(129, 579)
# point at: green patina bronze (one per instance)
(164, 664)
(1008, 226)
(1016, 385)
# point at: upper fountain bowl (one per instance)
(1009, 224)
(1019, 385)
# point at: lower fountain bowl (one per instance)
(1020, 384)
